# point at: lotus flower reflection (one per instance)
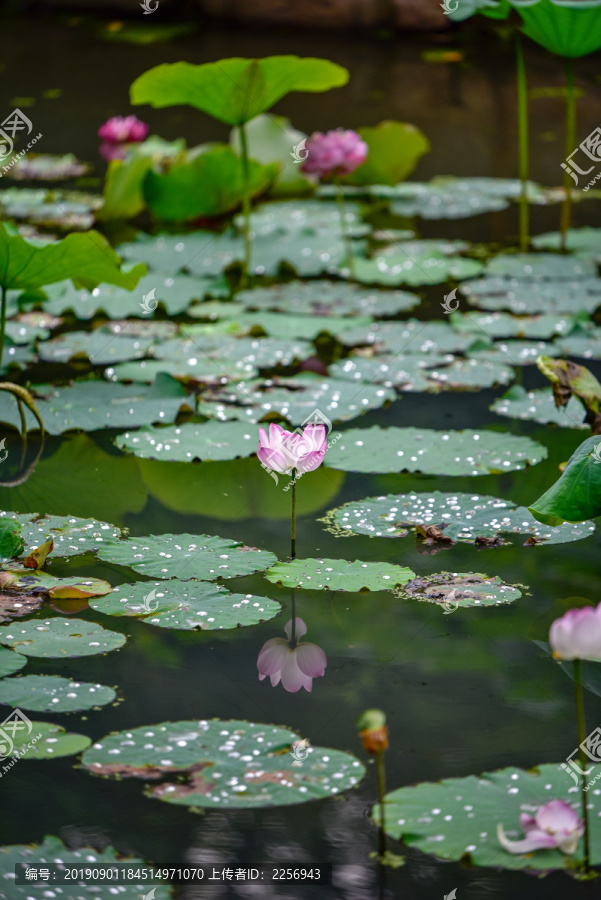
(295, 666)
(336, 153)
(577, 634)
(556, 826)
(284, 451)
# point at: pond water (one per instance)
(464, 693)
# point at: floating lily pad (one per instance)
(186, 605)
(539, 406)
(101, 347)
(581, 241)
(501, 324)
(531, 296)
(173, 294)
(453, 198)
(68, 210)
(339, 575)
(146, 329)
(540, 267)
(195, 370)
(260, 352)
(21, 332)
(53, 851)
(33, 582)
(189, 442)
(47, 167)
(279, 325)
(296, 398)
(461, 517)
(423, 373)
(204, 557)
(412, 336)
(432, 452)
(70, 534)
(216, 310)
(466, 374)
(60, 637)
(460, 589)
(227, 764)
(415, 263)
(457, 818)
(50, 693)
(91, 405)
(518, 353)
(52, 741)
(303, 215)
(10, 662)
(328, 298)
(585, 345)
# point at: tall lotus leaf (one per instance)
(395, 149)
(270, 140)
(208, 182)
(577, 494)
(87, 259)
(569, 28)
(235, 90)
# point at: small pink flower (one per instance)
(110, 151)
(336, 152)
(295, 667)
(303, 450)
(123, 130)
(577, 634)
(556, 826)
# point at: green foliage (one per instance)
(577, 494)
(235, 90)
(59, 637)
(395, 149)
(11, 541)
(270, 139)
(339, 575)
(50, 693)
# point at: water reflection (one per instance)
(293, 664)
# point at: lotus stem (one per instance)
(583, 761)
(381, 798)
(2, 320)
(348, 245)
(523, 141)
(566, 206)
(245, 207)
(293, 612)
(293, 518)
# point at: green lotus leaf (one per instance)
(339, 575)
(576, 495)
(394, 150)
(50, 693)
(186, 605)
(10, 662)
(328, 298)
(190, 442)
(539, 406)
(11, 540)
(50, 741)
(235, 90)
(252, 760)
(59, 638)
(270, 139)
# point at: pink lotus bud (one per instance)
(295, 667)
(123, 130)
(577, 634)
(555, 826)
(336, 152)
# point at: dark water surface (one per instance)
(464, 693)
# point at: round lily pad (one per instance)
(296, 216)
(37, 582)
(189, 442)
(502, 324)
(328, 298)
(585, 345)
(518, 353)
(406, 373)
(283, 326)
(259, 352)
(414, 265)
(455, 590)
(53, 851)
(461, 517)
(468, 452)
(457, 818)
(412, 336)
(523, 296)
(225, 764)
(540, 266)
(470, 374)
(339, 575)
(47, 167)
(539, 406)
(47, 741)
(92, 405)
(199, 368)
(10, 662)
(452, 198)
(581, 241)
(298, 397)
(21, 332)
(60, 637)
(50, 693)
(100, 347)
(70, 534)
(204, 557)
(186, 605)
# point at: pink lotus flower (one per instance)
(123, 130)
(334, 153)
(283, 450)
(295, 667)
(556, 826)
(577, 634)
